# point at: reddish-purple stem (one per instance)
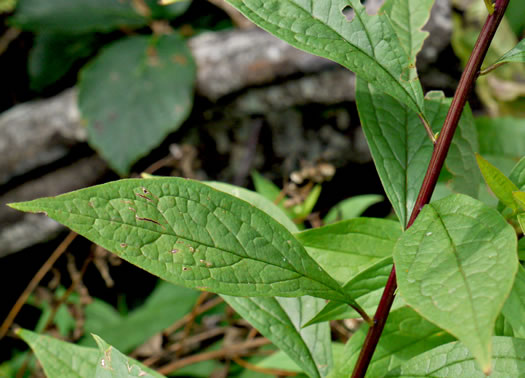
(439, 154)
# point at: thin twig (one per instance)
(34, 282)
(205, 307)
(439, 154)
(230, 351)
(9, 36)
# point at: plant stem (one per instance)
(439, 154)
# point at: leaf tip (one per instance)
(26, 207)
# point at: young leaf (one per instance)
(519, 198)
(366, 45)
(517, 54)
(280, 320)
(366, 287)
(113, 364)
(500, 185)
(455, 266)
(517, 175)
(514, 307)
(73, 17)
(406, 335)
(456, 360)
(521, 221)
(408, 17)
(133, 94)
(192, 235)
(345, 248)
(401, 147)
(351, 207)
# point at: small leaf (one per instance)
(351, 207)
(514, 307)
(517, 54)
(59, 358)
(366, 45)
(280, 320)
(192, 235)
(345, 248)
(517, 175)
(521, 221)
(79, 16)
(133, 94)
(500, 185)
(406, 335)
(455, 360)
(366, 287)
(113, 364)
(455, 266)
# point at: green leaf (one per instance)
(408, 18)
(517, 54)
(112, 363)
(406, 335)
(79, 16)
(501, 139)
(345, 248)
(367, 288)
(501, 186)
(53, 55)
(166, 304)
(521, 221)
(366, 45)
(351, 207)
(514, 307)
(280, 320)
(138, 90)
(517, 175)
(401, 148)
(514, 15)
(455, 360)
(519, 199)
(304, 209)
(59, 358)
(192, 235)
(455, 266)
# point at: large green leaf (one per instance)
(166, 304)
(112, 363)
(366, 45)
(345, 248)
(79, 16)
(281, 319)
(192, 235)
(62, 359)
(455, 360)
(514, 307)
(455, 266)
(351, 207)
(408, 17)
(401, 148)
(52, 55)
(406, 334)
(133, 94)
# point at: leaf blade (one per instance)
(441, 276)
(192, 235)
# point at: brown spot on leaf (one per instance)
(150, 220)
(179, 59)
(123, 245)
